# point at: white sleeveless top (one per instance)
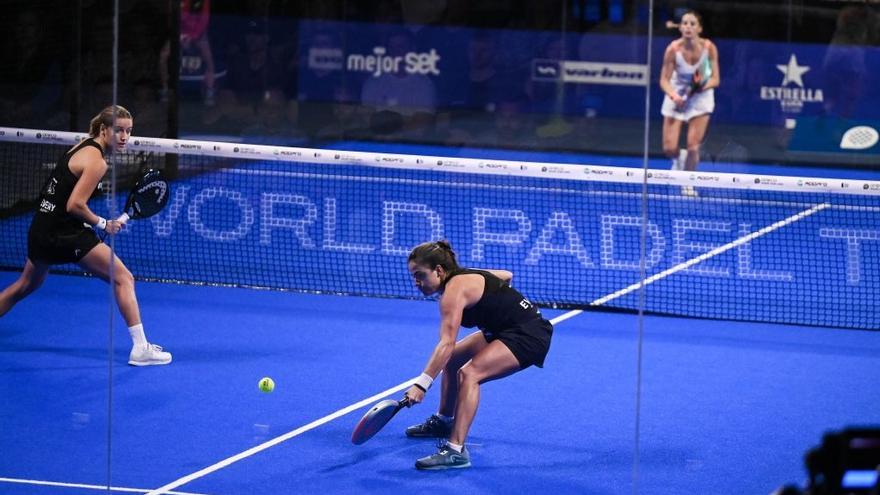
(699, 103)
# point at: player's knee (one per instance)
(467, 375)
(124, 279)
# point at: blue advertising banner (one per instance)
(426, 68)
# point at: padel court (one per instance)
(682, 399)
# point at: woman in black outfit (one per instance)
(63, 229)
(513, 336)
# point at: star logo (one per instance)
(793, 72)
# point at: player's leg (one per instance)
(204, 46)
(671, 136)
(465, 349)
(439, 425)
(31, 278)
(493, 362)
(97, 261)
(696, 133)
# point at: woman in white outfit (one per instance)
(688, 99)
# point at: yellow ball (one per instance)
(267, 384)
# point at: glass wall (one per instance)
(720, 272)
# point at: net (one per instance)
(729, 246)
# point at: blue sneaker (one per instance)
(445, 458)
(433, 427)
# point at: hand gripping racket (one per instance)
(148, 196)
(378, 416)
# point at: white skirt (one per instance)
(697, 104)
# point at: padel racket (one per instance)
(148, 196)
(378, 416)
(701, 76)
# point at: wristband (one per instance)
(424, 382)
(102, 223)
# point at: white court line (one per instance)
(558, 319)
(80, 485)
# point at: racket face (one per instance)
(149, 195)
(374, 420)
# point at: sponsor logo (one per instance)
(768, 181)
(19, 133)
(378, 62)
(288, 153)
(493, 165)
(812, 183)
(604, 73)
(217, 148)
(347, 158)
(248, 150)
(872, 186)
(190, 146)
(450, 163)
(325, 58)
(555, 169)
(792, 99)
(50, 136)
(389, 159)
(546, 70)
(146, 143)
(580, 72)
(708, 178)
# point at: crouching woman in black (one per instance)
(513, 336)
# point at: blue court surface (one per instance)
(724, 407)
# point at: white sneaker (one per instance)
(148, 355)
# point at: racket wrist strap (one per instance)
(424, 382)
(101, 224)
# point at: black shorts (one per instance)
(529, 341)
(56, 248)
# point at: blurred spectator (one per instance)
(197, 59)
(273, 124)
(251, 76)
(844, 65)
(152, 119)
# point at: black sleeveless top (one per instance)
(52, 215)
(500, 307)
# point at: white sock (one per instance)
(674, 164)
(138, 339)
(454, 446)
(446, 419)
(682, 159)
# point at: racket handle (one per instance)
(123, 218)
